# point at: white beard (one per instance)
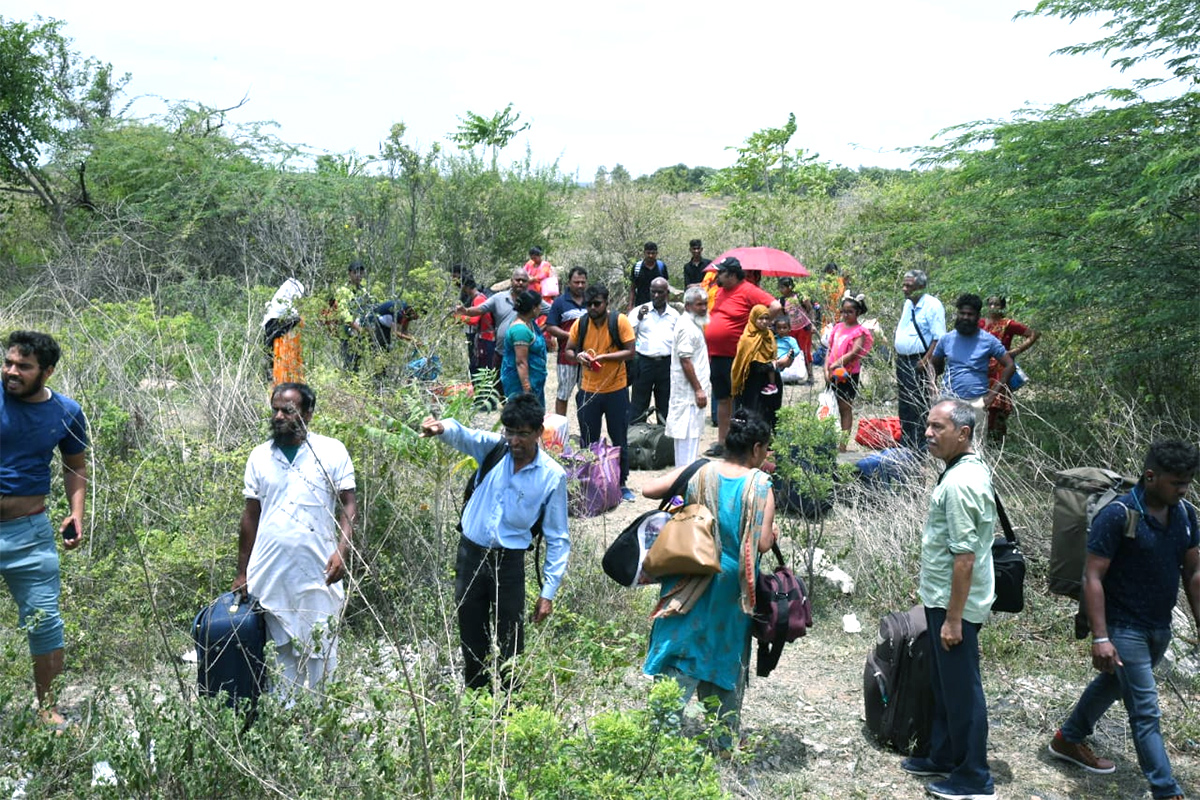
(701, 321)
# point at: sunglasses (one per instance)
(596, 303)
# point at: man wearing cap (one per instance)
(922, 324)
(728, 318)
(34, 422)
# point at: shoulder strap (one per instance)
(680, 484)
(490, 460)
(917, 328)
(582, 325)
(614, 331)
(1004, 523)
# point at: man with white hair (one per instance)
(689, 377)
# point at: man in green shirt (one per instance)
(957, 589)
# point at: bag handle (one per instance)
(1004, 523)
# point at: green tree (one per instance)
(771, 186)
(51, 100)
(494, 132)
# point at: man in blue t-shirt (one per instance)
(963, 355)
(34, 421)
(1130, 584)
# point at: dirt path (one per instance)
(806, 720)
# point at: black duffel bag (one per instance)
(1008, 564)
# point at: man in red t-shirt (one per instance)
(730, 313)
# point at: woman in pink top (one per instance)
(848, 343)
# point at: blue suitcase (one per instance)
(230, 636)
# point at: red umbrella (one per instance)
(766, 260)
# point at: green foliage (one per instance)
(806, 451)
(677, 179)
(773, 188)
(1143, 30)
(494, 132)
(52, 100)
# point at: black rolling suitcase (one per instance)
(230, 636)
(897, 692)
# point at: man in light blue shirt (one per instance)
(922, 324)
(964, 353)
(525, 489)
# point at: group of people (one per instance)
(296, 530)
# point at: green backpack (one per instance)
(1079, 495)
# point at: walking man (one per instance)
(654, 332)
(524, 488)
(35, 421)
(1137, 549)
(922, 324)
(294, 538)
(602, 341)
(957, 588)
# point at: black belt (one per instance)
(491, 550)
(652, 358)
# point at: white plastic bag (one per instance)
(826, 403)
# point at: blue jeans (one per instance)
(1133, 684)
(960, 725)
(29, 563)
(614, 408)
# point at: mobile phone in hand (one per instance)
(71, 532)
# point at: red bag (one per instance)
(878, 433)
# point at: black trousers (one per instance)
(913, 389)
(650, 376)
(487, 583)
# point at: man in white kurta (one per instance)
(294, 538)
(690, 385)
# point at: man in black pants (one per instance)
(654, 329)
(922, 322)
(526, 486)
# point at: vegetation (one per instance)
(149, 246)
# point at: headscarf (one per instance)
(756, 344)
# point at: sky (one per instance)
(645, 84)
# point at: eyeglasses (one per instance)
(525, 435)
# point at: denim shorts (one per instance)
(29, 564)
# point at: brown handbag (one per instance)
(686, 545)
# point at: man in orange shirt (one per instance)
(604, 388)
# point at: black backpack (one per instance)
(490, 460)
(897, 690)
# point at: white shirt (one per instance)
(297, 533)
(684, 419)
(283, 303)
(655, 332)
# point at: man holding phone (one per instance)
(34, 421)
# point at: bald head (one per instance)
(659, 289)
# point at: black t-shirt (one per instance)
(640, 276)
(694, 273)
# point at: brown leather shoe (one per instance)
(1080, 755)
